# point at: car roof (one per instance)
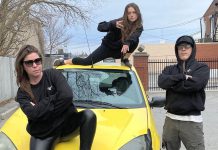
(116, 66)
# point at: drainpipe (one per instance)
(201, 29)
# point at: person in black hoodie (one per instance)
(184, 83)
(46, 99)
(121, 40)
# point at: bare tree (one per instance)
(55, 34)
(16, 16)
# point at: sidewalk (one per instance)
(6, 109)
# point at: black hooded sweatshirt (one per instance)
(53, 104)
(185, 97)
(113, 37)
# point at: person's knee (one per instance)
(192, 135)
(90, 115)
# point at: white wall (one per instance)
(8, 86)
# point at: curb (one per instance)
(5, 114)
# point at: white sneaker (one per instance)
(58, 62)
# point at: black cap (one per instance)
(185, 39)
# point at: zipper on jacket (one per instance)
(183, 67)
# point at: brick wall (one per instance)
(140, 61)
(207, 50)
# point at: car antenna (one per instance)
(87, 41)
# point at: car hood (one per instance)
(115, 127)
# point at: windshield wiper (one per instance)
(80, 103)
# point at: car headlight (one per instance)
(5, 143)
(142, 142)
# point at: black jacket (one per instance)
(185, 97)
(113, 36)
(54, 104)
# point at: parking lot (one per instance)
(210, 118)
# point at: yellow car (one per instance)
(116, 95)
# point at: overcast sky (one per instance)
(163, 21)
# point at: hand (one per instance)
(119, 24)
(188, 77)
(125, 49)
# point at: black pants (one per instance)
(84, 120)
(101, 53)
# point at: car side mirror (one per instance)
(157, 101)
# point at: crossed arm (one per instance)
(184, 83)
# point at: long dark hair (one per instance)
(129, 27)
(21, 75)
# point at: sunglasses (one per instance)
(184, 46)
(29, 63)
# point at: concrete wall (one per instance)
(35, 35)
(158, 51)
(8, 86)
(166, 51)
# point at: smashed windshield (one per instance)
(117, 87)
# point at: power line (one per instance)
(175, 25)
(168, 39)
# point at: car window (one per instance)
(117, 87)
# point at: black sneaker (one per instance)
(126, 62)
(58, 62)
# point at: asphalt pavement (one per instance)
(210, 119)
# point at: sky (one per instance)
(163, 21)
